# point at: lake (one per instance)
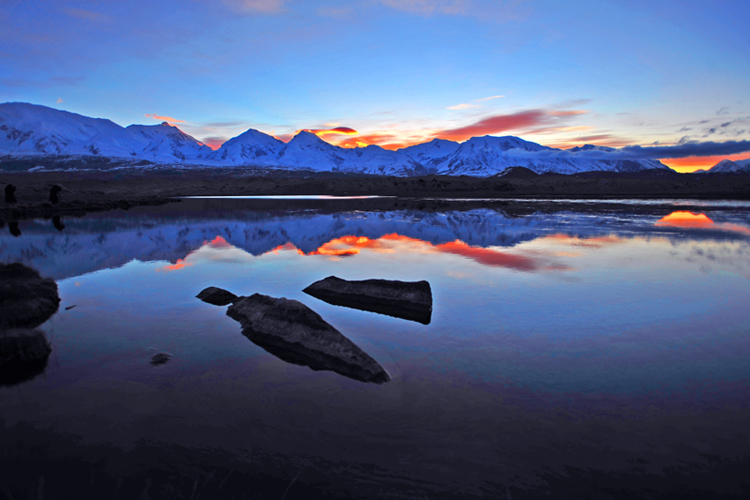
(575, 350)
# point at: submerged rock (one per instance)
(160, 358)
(295, 333)
(216, 296)
(26, 299)
(23, 355)
(410, 300)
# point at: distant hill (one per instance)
(29, 131)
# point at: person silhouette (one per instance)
(10, 194)
(58, 223)
(54, 194)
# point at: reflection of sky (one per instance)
(581, 328)
(605, 313)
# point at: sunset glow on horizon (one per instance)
(396, 74)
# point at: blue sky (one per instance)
(396, 72)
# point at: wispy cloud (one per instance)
(473, 105)
(60, 100)
(87, 15)
(489, 98)
(164, 118)
(257, 6)
(429, 7)
(463, 106)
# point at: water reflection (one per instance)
(565, 346)
(490, 237)
(690, 220)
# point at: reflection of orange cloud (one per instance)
(218, 242)
(165, 118)
(352, 245)
(685, 219)
(489, 257)
(693, 220)
(176, 266)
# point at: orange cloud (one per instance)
(336, 130)
(384, 140)
(693, 163)
(164, 118)
(503, 123)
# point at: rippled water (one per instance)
(601, 352)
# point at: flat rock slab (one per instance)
(295, 333)
(410, 300)
(216, 296)
(26, 299)
(23, 355)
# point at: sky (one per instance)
(672, 75)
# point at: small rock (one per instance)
(216, 296)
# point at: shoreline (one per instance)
(102, 190)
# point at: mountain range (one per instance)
(28, 130)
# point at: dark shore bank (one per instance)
(105, 190)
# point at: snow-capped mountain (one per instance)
(376, 160)
(308, 151)
(249, 148)
(31, 129)
(730, 167)
(165, 141)
(431, 154)
(27, 129)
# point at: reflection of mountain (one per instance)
(100, 242)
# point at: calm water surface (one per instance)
(599, 353)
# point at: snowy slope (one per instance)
(308, 151)
(168, 143)
(484, 156)
(31, 129)
(376, 160)
(729, 166)
(431, 154)
(249, 148)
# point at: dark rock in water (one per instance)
(26, 299)
(160, 358)
(410, 300)
(23, 355)
(216, 296)
(295, 333)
